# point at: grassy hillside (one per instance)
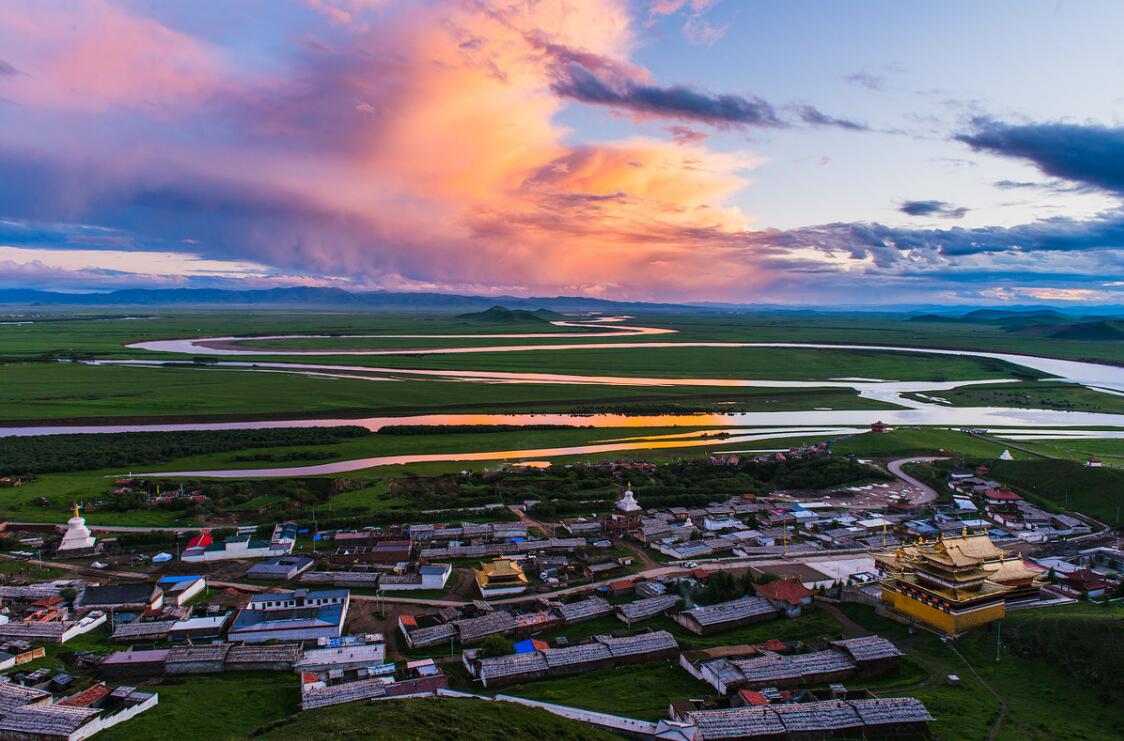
(504, 315)
(1046, 700)
(404, 720)
(1066, 485)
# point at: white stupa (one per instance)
(77, 537)
(1006, 456)
(627, 502)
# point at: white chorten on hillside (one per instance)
(627, 502)
(77, 535)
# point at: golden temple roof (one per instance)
(1010, 569)
(501, 569)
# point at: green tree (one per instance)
(495, 645)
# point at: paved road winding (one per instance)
(928, 493)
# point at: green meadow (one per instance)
(48, 391)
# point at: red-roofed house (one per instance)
(1001, 497)
(86, 697)
(202, 540)
(1084, 583)
(749, 699)
(789, 595)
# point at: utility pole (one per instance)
(998, 634)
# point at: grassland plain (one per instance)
(1043, 394)
(61, 489)
(772, 363)
(95, 332)
(38, 391)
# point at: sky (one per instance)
(804, 153)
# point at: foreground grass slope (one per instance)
(421, 720)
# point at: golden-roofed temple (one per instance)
(500, 576)
(953, 583)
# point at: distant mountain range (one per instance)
(1040, 322)
(308, 297)
(318, 297)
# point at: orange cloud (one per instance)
(421, 149)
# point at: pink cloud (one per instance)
(421, 150)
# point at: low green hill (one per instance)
(1106, 330)
(504, 315)
(425, 719)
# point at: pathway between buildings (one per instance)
(928, 493)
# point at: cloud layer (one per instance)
(400, 146)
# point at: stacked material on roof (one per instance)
(365, 689)
(642, 609)
(281, 656)
(644, 644)
(868, 648)
(602, 653)
(521, 666)
(14, 696)
(828, 715)
(584, 653)
(45, 721)
(431, 635)
(777, 670)
(736, 723)
(792, 719)
(585, 609)
(743, 608)
(157, 630)
(474, 629)
(30, 593)
(891, 711)
(341, 578)
(503, 549)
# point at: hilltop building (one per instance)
(944, 583)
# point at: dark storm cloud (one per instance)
(943, 209)
(1089, 154)
(576, 81)
(814, 116)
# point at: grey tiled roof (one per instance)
(737, 609)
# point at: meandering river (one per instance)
(742, 426)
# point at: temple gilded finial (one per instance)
(76, 509)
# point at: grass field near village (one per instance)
(917, 441)
(214, 706)
(425, 719)
(1057, 672)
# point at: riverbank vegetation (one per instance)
(58, 453)
(1065, 397)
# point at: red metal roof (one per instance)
(201, 540)
(86, 697)
(1003, 494)
(752, 697)
(789, 590)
